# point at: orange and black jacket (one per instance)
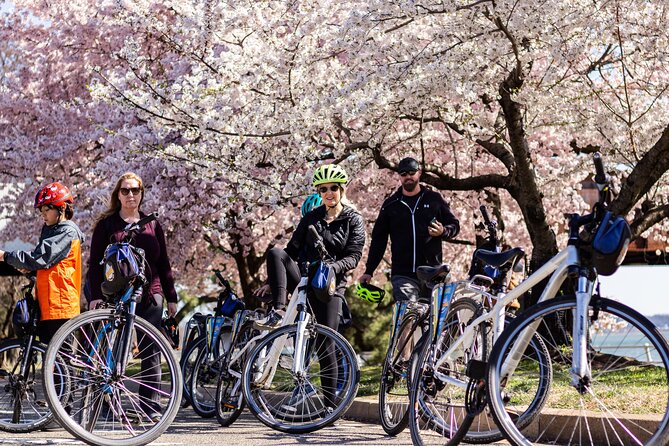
(57, 262)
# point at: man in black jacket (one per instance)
(417, 219)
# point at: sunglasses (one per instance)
(409, 173)
(126, 190)
(324, 189)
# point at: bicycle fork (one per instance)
(300, 343)
(580, 371)
(122, 347)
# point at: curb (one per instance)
(365, 410)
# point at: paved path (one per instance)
(191, 430)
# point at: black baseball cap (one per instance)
(407, 165)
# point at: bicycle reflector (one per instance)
(369, 292)
(170, 328)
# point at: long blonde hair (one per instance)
(114, 203)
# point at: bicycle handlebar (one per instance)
(600, 175)
(222, 280)
(491, 225)
(317, 241)
(135, 228)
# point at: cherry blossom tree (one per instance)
(225, 109)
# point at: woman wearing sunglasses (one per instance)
(124, 208)
(342, 230)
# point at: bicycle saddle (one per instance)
(432, 273)
(499, 259)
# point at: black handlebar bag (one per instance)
(121, 265)
(610, 243)
(322, 281)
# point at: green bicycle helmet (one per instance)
(312, 201)
(369, 292)
(330, 173)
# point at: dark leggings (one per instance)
(150, 355)
(46, 329)
(284, 275)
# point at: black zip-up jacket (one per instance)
(410, 244)
(344, 239)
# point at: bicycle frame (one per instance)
(295, 311)
(557, 269)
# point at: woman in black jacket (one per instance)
(343, 232)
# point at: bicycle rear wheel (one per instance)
(23, 406)
(229, 396)
(299, 404)
(108, 408)
(393, 389)
(626, 401)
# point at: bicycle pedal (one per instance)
(476, 369)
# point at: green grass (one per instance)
(370, 377)
(646, 396)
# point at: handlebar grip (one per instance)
(484, 212)
(220, 277)
(148, 219)
(600, 176)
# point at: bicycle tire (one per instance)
(427, 424)
(29, 412)
(204, 379)
(122, 420)
(187, 364)
(394, 385)
(483, 429)
(230, 401)
(276, 407)
(618, 380)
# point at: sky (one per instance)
(644, 288)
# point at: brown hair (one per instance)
(114, 203)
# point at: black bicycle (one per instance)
(23, 406)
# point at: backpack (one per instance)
(122, 263)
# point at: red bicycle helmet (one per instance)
(54, 194)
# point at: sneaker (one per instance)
(300, 394)
(273, 320)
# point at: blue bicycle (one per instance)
(118, 397)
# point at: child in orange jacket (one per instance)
(56, 260)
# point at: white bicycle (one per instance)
(285, 382)
(593, 389)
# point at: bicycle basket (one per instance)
(610, 243)
(231, 305)
(122, 263)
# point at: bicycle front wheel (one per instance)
(625, 401)
(23, 406)
(206, 369)
(394, 386)
(112, 405)
(311, 399)
(437, 414)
